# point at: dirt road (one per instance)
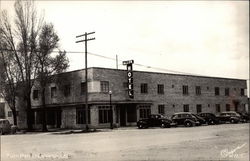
(218, 142)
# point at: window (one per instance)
(9, 113)
(104, 86)
(53, 92)
(226, 91)
(217, 106)
(161, 109)
(198, 90)
(160, 89)
(185, 90)
(227, 107)
(144, 88)
(186, 108)
(35, 94)
(104, 114)
(217, 91)
(172, 86)
(81, 115)
(83, 88)
(66, 90)
(198, 108)
(242, 92)
(145, 111)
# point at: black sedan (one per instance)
(185, 118)
(210, 118)
(229, 116)
(154, 120)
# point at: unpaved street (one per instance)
(218, 142)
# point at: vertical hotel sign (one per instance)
(130, 77)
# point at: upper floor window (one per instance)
(104, 86)
(242, 92)
(53, 92)
(160, 89)
(198, 90)
(186, 108)
(161, 109)
(185, 90)
(144, 88)
(217, 91)
(66, 90)
(83, 88)
(35, 94)
(226, 91)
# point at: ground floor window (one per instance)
(81, 115)
(161, 109)
(217, 106)
(145, 111)
(227, 107)
(104, 114)
(186, 108)
(198, 108)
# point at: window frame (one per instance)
(198, 90)
(186, 108)
(161, 109)
(144, 88)
(35, 94)
(160, 88)
(53, 92)
(217, 91)
(185, 90)
(104, 86)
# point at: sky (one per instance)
(208, 38)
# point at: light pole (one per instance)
(111, 110)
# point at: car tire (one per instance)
(1, 132)
(163, 125)
(232, 121)
(188, 124)
(211, 122)
(140, 126)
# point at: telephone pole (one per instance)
(86, 73)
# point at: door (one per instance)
(58, 118)
(122, 116)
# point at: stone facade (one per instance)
(126, 111)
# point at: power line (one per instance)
(137, 64)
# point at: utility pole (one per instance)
(116, 58)
(86, 73)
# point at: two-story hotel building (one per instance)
(154, 93)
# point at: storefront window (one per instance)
(104, 114)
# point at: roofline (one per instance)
(156, 73)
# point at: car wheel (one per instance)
(1, 131)
(163, 125)
(211, 122)
(140, 126)
(188, 124)
(232, 121)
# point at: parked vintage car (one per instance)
(210, 118)
(229, 116)
(5, 126)
(245, 117)
(155, 120)
(201, 120)
(185, 118)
